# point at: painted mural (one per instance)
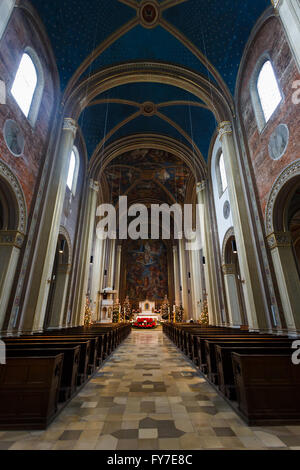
(147, 270)
(143, 165)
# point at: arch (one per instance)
(161, 142)
(229, 234)
(131, 72)
(65, 234)
(6, 9)
(287, 176)
(21, 211)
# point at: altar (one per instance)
(147, 310)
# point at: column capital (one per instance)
(11, 238)
(200, 186)
(224, 127)
(275, 3)
(70, 125)
(279, 239)
(94, 185)
(229, 269)
(174, 247)
(119, 248)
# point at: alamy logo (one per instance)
(158, 221)
(296, 354)
(2, 352)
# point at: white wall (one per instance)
(222, 223)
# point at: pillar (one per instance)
(232, 296)
(256, 305)
(176, 276)
(35, 302)
(196, 283)
(207, 251)
(287, 276)
(85, 253)
(10, 245)
(111, 264)
(60, 294)
(118, 270)
(289, 13)
(97, 274)
(183, 278)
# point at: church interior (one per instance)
(149, 342)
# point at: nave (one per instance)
(147, 395)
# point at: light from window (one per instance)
(268, 90)
(222, 173)
(71, 170)
(24, 84)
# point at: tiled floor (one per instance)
(148, 396)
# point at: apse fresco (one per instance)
(147, 270)
(144, 165)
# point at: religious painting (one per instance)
(145, 166)
(147, 270)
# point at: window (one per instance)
(27, 88)
(73, 170)
(268, 90)
(24, 84)
(223, 177)
(6, 8)
(265, 92)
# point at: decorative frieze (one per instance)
(279, 239)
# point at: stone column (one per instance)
(111, 265)
(10, 245)
(196, 283)
(256, 305)
(207, 251)
(287, 277)
(289, 12)
(86, 249)
(97, 273)
(232, 296)
(59, 299)
(118, 270)
(183, 278)
(42, 263)
(176, 276)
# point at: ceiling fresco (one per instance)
(145, 174)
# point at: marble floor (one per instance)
(148, 396)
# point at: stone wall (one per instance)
(270, 39)
(23, 31)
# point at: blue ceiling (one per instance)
(218, 28)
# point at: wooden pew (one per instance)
(55, 343)
(259, 341)
(69, 373)
(267, 388)
(224, 362)
(29, 389)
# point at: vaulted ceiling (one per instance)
(207, 37)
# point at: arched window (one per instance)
(268, 90)
(6, 8)
(265, 92)
(28, 85)
(221, 174)
(73, 170)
